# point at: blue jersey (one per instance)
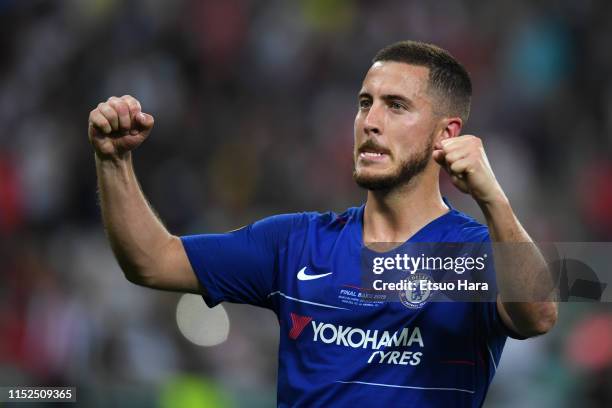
(340, 346)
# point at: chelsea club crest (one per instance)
(417, 292)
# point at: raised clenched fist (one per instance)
(465, 160)
(118, 126)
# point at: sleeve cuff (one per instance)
(210, 292)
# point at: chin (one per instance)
(375, 181)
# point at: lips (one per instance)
(369, 151)
(371, 155)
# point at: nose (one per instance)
(373, 122)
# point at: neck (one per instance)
(396, 215)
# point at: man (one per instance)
(339, 346)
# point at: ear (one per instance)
(451, 127)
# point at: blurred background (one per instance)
(254, 105)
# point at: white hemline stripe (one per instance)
(407, 386)
(306, 301)
(492, 358)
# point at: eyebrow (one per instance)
(389, 97)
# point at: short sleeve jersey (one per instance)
(339, 346)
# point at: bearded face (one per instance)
(399, 174)
(394, 126)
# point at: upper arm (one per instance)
(173, 270)
(241, 266)
(496, 317)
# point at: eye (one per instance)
(396, 105)
(364, 103)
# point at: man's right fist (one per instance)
(118, 126)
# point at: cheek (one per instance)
(357, 122)
(411, 134)
(357, 126)
(406, 142)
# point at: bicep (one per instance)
(174, 271)
(240, 266)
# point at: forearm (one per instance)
(523, 277)
(137, 237)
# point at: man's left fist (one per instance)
(464, 159)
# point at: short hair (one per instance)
(447, 77)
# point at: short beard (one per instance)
(407, 171)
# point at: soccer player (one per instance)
(339, 347)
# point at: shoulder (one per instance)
(463, 228)
(293, 222)
(332, 219)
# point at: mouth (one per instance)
(375, 154)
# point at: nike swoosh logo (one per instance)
(303, 277)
